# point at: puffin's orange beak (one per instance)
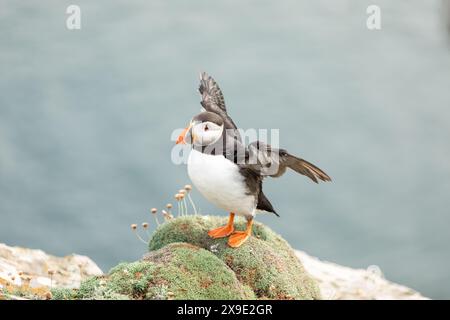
(181, 137)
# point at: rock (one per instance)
(184, 263)
(265, 263)
(342, 283)
(21, 267)
(38, 282)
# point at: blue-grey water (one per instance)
(86, 117)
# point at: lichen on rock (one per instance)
(30, 274)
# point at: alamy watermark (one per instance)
(73, 21)
(244, 147)
(373, 21)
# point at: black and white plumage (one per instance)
(225, 171)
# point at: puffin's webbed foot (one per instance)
(221, 232)
(239, 237)
(224, 231)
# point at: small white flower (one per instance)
(214, 247)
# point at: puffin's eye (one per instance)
(206, 127)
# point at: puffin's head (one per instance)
(204, 129)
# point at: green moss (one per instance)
(177, 271)
(185, 263)
(98, 288)
(190, 229)
(265, 263)
(63, 294)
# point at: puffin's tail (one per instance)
(265, 205)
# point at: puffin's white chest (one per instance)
(220, 182)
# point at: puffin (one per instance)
(230, 173)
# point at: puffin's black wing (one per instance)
(253, 181)
(273, 162)
(212, 99)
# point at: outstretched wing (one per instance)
(212, 99)
(268, 161)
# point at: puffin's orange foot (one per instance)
(221, 232)
(238, 238)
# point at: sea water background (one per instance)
(86, 118)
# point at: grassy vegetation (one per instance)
(177, 271)
(265, 263)
(185, 263)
